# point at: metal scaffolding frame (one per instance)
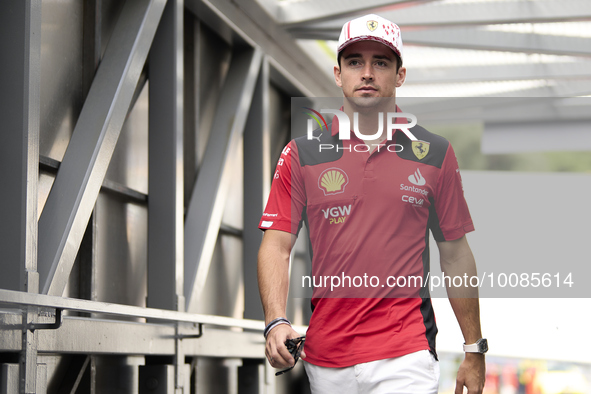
(165, 206)
(82, 171)
(145, 45)
(204, 212)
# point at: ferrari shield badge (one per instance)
(420, 149)
(372, 25)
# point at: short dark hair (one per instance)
(398, 60)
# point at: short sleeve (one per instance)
(451, 218)
(287, 197)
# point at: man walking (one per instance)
(385, 199)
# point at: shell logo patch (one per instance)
(333, 181)
(420, 149)
(372, 25)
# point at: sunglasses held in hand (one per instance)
(295, 347)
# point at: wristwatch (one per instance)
(481, 346)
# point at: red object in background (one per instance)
(491, 385)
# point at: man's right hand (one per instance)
(275, 349)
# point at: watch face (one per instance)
(482, 345)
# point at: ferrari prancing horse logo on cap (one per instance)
(372, 25)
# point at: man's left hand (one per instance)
(471, 374)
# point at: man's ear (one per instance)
(401, 77)
(337, 76)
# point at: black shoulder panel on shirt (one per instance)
(309, 150)
(437, 146)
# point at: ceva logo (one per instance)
(345, 124)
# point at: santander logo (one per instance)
(417, 178)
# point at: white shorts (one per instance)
(416, 373)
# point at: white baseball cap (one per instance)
(373, 28)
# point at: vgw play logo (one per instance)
(345, 129)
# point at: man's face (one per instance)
(368, 69)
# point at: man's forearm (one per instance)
(457, 260)
(464, 301)
(273, 274)
(467, 311)
(273, 277)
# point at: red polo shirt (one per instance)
(368, 218)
